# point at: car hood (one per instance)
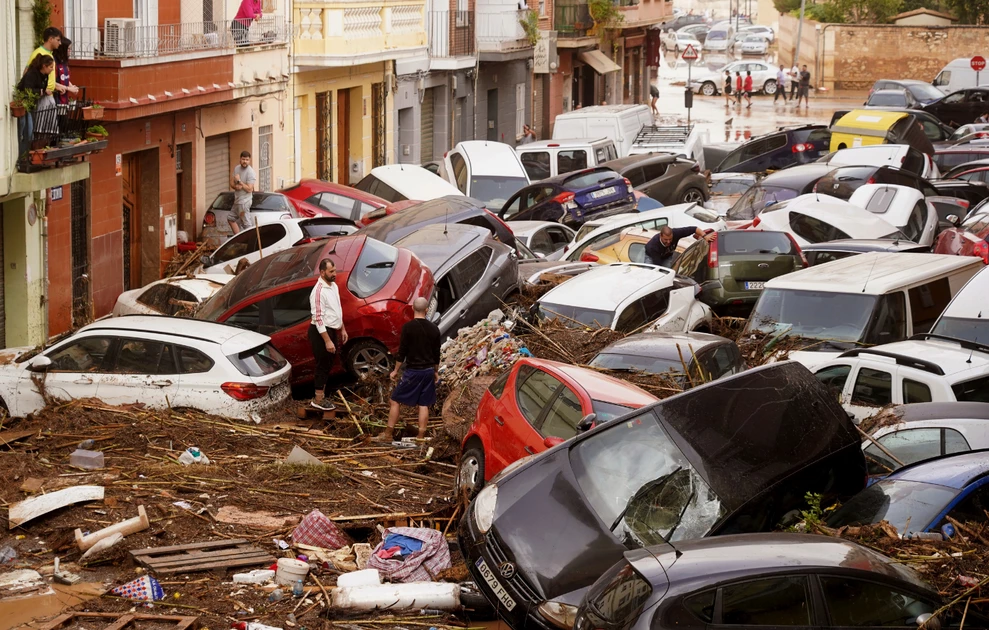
(8, 356)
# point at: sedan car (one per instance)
(160, 362)
(265, 208)
(629, 245)
(677, 41)
(693, 358)
(536, 405)
(961, 107)
(542, 237)
(753, 45)
(572, 198)
(778, 150)
(377, 283)
(666, 178)
(816, 218)
(892, 98)
(266, 239)
(170, 296)
(710, 83)
(921, 92)
(820, 253)
(332, 199)
(970, 238)
(443, 210)
(473, 272)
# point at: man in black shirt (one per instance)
(661, 248)
(419, 352)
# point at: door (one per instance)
(324, 137)
(492, 121)
(478, 299)
(142, 370)
(854, 603)
(78, 366)
(378, 125)
(872, 388)
(264, 158)
(218, 169)
(79, 230)
(343, 136)
(183, 190)
(535, 391)
(131, 213)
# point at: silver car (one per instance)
(763, 77)
(754, 45)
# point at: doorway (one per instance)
(324, 137)
(343, 135)
(79, 237)
(131, 211)
(492, 115)
(141, 219)
(183, 189)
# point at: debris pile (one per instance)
(486, 348)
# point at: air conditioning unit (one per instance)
(120, 36)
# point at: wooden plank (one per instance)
(32, 508)
(121, 620)
(202, 556)
(7, 437)
(200, 545)
(232, 555)
(222, 564)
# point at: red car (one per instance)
(314, 197)
(970, 238)
(537, 405)
(377, 284)
(390, 209)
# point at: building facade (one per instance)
(503, 86)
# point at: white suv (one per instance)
(925, 368)
(160, 361)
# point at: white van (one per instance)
(487, 171)
(620, 123)
(869, 299)
(548, 158)
(958, 75)
(967, 317)
(398, 182)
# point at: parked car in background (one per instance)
(377, 283)
(535, 405)
(969, 238)
(778, 150)
(899, 156)
(572, 199)
(265, 208)
(974, 172)
(721, 39)
(542, 237)
(699, 31)
(753, 45)
(691, 358)
(620, 123)
(920, 92)
(898, 98)
(733, 269)
(679, 21)
(160, 362)
(170, 296)
(961, 107)
(487, 171)
(820, 253)
(710, 83)
(816, 218)
(970, 155)
(727, 188)
(444, 210)
(780, 186)
(677, 41)
(266, 239)
(664, 177)
(543, 159)
(397, 182)
(335, 199)
(902, 207)
(966, 317)
(765, 32)
(474, 273)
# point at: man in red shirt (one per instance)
(747, 87)
(738, 87)
(249, 11)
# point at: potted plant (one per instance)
(23, 101)
(97, 132)
(93, 112)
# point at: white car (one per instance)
(401, 182)
(711, 83)
(816, 218)
(269, 238)
(161, 362)
(753, 45)
(487, 171)
(265, 208)
(542, 237)
(628, 297)
(169, 296)
(901, 156)
(916, 370)
(967, 316)
(764, 32)
(902, 207)
(677, 41)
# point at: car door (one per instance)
(476, 299)
(77, 368)
(654, 184)
(872, 388)
(197, 388)
(910, 446)
(541, 205)
(856, 603)
(949, 108)
(142, 370)
(559, 235)
(771, 602)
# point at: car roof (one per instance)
(230, 338)
(525, 228)
(642, 158)
(414, 182)
(663, 345)
(797, 176)
(970, 302)
(439, 244)
(894, 154)
(874, 273)
(952, 471)
(317, 186)
(608, 286)
(447, 209)
(597, 385)
(491, 158)
(923, 412)
(861, 245)
(952, 357)
(561, 144)
(827, 209)
(201, 285)
(631, 218)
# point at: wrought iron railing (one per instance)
(450, 33)
(572, 20)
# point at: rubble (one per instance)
(487, 347)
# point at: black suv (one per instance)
(777, 150)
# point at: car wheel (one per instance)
(367, 356)
(470, 473)
(769, 87)
(708, 89)
(692, 195)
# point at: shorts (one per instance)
(416, 388)
(804, 91)
(240, 213)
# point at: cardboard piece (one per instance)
(30, 509)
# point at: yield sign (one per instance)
(689, 53)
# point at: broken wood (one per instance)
(7, 437)
(130, 526)
(204, 556)
(30, 509)
(121, 621)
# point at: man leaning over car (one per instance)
(661, 249)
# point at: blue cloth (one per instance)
(406, 544)
(416, 388)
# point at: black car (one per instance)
(961, 107)
(667, 178)
(820, 253)
(776, 581)
(776, 187)
(920, 91)
(731, 456)
(449, 209)
(572, 198)
(934, 129)
(685, 19)
(777, 150)
(702, 356)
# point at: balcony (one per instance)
(330, 33)
(56, 137)
(451, 39)
(638, 13)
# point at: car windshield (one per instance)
(716, 35)
(925, 92)
(627, 362)
(495, 191)
(891, 99)
(906, 505)
(606, 411)
(642, 486)
(373, 269)
(576, 315)
(731, 187)
(757, 199)
(838, 320)
(966, 329)
(702, 214)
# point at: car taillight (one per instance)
(244, 391)
(712, 253)
(755, 222)
(588, 257)
(564, 197)
(981, 250)
(871, 180)
(499, 220)
(309, 239)
(801, 147)
(628, 183)
(209, 219)
(963, 203)
(803, 259)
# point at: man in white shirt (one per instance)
(326, 332)
(244, 182)
(794, 80)
(780, 85)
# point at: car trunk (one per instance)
(751, 271)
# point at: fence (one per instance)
(450, 33)
(501, 28)
(572, 20)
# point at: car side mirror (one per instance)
(206, 260)
(928, 621)
(551, 441)
(587, 422)
(40, 363)
(952, 219)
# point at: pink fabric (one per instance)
(249, 9)
(319, 531)
(421, 566)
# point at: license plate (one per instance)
(604, 192)
(499, 590)
(751, 286)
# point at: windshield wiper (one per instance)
(655, 483)
(686, 504)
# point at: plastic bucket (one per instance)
(291, 571)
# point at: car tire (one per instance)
(470, 471)
(366, 356)
(769, 87)
(692, 195)
(709, 89)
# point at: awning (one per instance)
(599, 61)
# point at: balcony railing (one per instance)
(572, 20)
(57, 135)
(126, 38)
(450, 33)
(500, 29)
(337, 33)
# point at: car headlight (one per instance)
(560, 615)
(484, 508)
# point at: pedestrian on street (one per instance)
(661, 249)
(747, 86)
(419, 352)
(243, 183)
(738, 87)
(654, 94)
(794, 80)
(804, 90)
(983, 119)
(528, 135)
(780, 85)
(728, 98)
(249, 11)
(327, 335)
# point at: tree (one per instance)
(785, 6)
(857, 11)
(969, 11)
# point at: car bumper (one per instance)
(621, 207)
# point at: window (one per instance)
(85, 355)
(654, 170)
(927, 302)
(497, 388)
(973, 508)
(259, 361)
(559, 236)
(446, 293)
(916, 392)
(535, 393)
(337, 204)
(536, 164)
(193, 361)
(536, 195)
(541, 243)
(724, 359)
(857, 603)
(563, 416)
(701, 606)
(519, 110)
(160, 298)
(617, 603)
(943, 78)
(137, 356)
(637, 253)
(642, 311)
(778, 601)
(470, 270)
(290, 308)
(889, 319)
(569, 161)
(246, 242)
(248, 317)
(976, 390)
(872, 388)
(373, 269)
(814, 230)
(459, 171)
(834, 376)
(636, 176)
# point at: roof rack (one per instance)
(900, 359)
(656, 134)
(964, 343)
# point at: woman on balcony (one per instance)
(62, 73)
(249, 11)
(35, 80)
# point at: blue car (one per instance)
(572, 198)
(920, 497)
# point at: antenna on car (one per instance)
(971, 350)
(874, 260)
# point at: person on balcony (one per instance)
(52, 38)
(61, 55)
(35, 80)
(249, 11)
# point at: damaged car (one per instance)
(733, 456)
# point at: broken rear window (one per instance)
(259, 361)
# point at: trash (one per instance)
(144, 588)
(130, 526)
(262, 520)
(87, 445)
(185, 505)
(415, 565)
(257, 576)
(486, 347)
(924, 536)
(367, 577)
(302, 457)
(29, 509)
(281, 544)
(297, 588)
(290, 570)
(968, 582)
(276, 595)
(362, 553)
(948, 531)
(252, 625)
(21, 577)
(318, 530)
(437, 595)
(193, 455)
(7, 554)
(88, 460)
(32, 485)
(102, 545)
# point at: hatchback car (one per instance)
(397, 182)
(341, 201)
(377, 283)
(733, 268)
(902, 207)
(816, 218)
(774, 188)
(664, 177)
(542, 237)
(535, 405)
(677, 41)
(160, 362)
(734, 455)
(778, 150)
(443, 210)
(487, 171)
(901, 99)
(265, 208)
(170, 296)
(820, 253)
(473, 272)
(693, 358)
(252, 245)
(961, 107)
(969, 238)
(572, 198)
(629, 245)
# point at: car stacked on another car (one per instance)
(314, 197)
(820, 253)
(265, 208)
(664, 177)
(691, 358)
(969, 238)
(815, 218)
(572, 199)
(487, 171)
(447, 210)
(170, 296)
(778, 150)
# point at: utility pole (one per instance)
(800, 28)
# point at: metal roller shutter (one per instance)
(539, 121)
(426, 153)
(218, 167)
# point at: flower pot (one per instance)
(92, 113)
(17, 110)
(38, 156)
(95, 136)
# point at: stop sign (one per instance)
(978, 63)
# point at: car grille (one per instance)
(516, 583)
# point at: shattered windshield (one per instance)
(641, 485)
(757, 199)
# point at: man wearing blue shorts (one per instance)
(419, 352)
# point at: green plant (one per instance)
(604, 13)
(530, 24)
(98, 130)
(27, 99)
(41, 17)
(96, 106)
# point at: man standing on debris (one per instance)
(419, 351)
(326, 331)
(243, 182)
(661, 249)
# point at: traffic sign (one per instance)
(978, 63)
(690, 54)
